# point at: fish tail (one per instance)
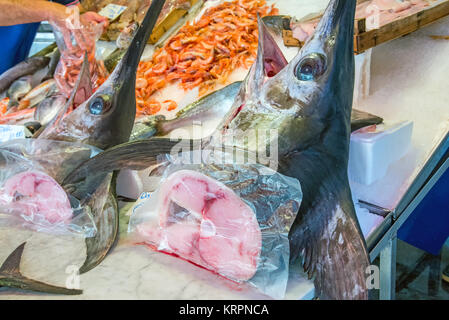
(106, 236)
(10, 276)
(333, 251)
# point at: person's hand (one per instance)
(90, 16)
(89, 29)
(83, 27)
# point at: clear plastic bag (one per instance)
(233, 220)
(73, 46)
(30, 195)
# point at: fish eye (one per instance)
(311, 67)
(99, 105)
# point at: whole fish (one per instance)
(216, 105)
(105, 119)
(308, 101)
(38, 94)
(55, 56)
(24, 68)
(49, 108)
(18, 89)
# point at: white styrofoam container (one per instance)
(374, 149)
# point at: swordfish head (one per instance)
(299, 98)
(107, 117)
(309, 103)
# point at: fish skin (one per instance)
(49, 108)
(38, 94)
(113, 59)
(10, 276)
(83, 86)
(18, 89)
(24, 68)
(215, 104)
(326, 234)
(314, 122)
(312, 115)
(54, 60)
(111, 127)
(278, 23)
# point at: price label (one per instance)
(112, 11)
(8, 132)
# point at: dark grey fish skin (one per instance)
(310, 103)
(45, 51)
(56, 55)
(361, 119)
(113, 59)
(10, 276)
(326, 234)
(24, 68)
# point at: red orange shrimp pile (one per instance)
(202, 54)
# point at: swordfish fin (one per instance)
(135, 155)
(326, 235)
(11, 277)
(361, 119)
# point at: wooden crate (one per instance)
(364, 40)
(168, 22)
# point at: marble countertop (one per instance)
(128, 272)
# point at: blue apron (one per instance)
(16, 43)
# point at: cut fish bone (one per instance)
(205, 222)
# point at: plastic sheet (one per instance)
(30, 195)
(231, 219)
(72, 55)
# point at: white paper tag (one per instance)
(8, 132)
(112, 11)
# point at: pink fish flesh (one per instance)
(36, 195)
(205, 222)
(389, 10)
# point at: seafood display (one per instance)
(112, 107)
(319, 107)
(380, 13)
(287, 205)
(24, 68)
(202, 54)
(133, 14)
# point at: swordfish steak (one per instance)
(205, 222)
